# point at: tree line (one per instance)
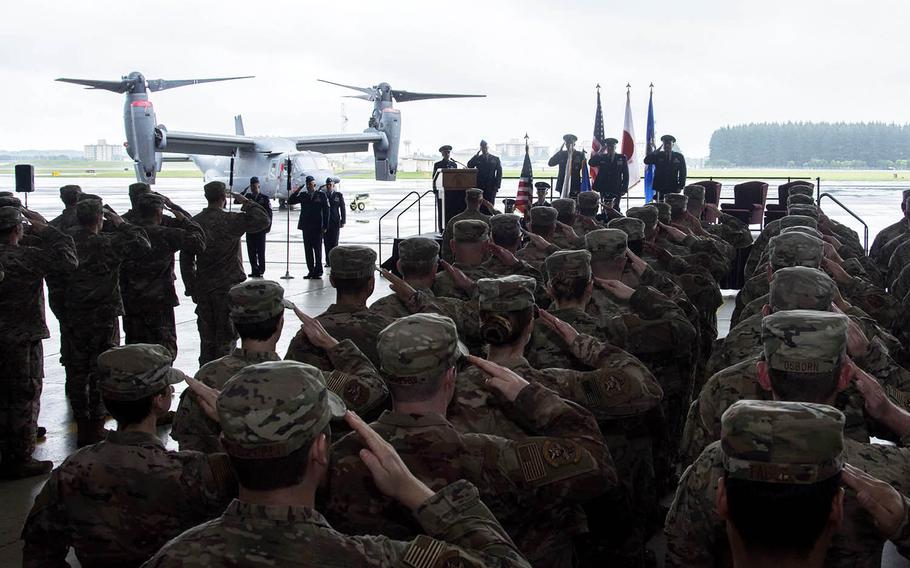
(812, 145)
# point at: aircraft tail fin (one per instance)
(238, 126)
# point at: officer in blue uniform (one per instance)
(669, 168)
(255, 242)
(612, 181)
(314, 220)
(337, 216)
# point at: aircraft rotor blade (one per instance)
(370, 92)
(162, 84)
(123, 86)
(407, 96)
(361, 97)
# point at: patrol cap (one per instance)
(647, 214)
(798, 221)
(418, 347)
(70, 192)
(503, 226)
(89, 196)
(417, 249)
(606, 244)
(663, 211)
(541, 186)
(588, 200)
(801, 229)
(271, 409)
(88, 207)
(473, 194)
(543, 216)
(445, 148)
(570, 138)
(470, 231)
(799, 199)
(564, 206)
(667, 138)
(569, 264)
(634, 228)
(150, 200)
(795, 249)
(10, 217)
(802, 189)
(676, 201)
(611, 141)
(10, 201)
(695, 193)
(132, 372)
(804, 341)
(214, 190)
(308, 179)
(138, 188)
(793, 443)
(807, 210)
(506, 294)
(352, 261)
(253, 180)
(801, 288)
(256, 301)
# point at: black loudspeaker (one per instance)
(25, 178)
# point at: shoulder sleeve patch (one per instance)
(423, 552)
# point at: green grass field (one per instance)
(81, 168)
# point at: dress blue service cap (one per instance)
(253, 180)
(310, 178)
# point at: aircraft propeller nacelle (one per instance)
(145, 139)
(386, 152)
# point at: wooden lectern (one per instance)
(454, 182)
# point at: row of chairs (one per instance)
(749, 200)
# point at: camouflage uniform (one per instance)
(352, 377)
(891, 231)
(209, 275)
(585, 221)
(529, 484)
(147, 283)
(771, 230)
(541, 217)
(618, 391)
(467, 231)
(93, 303)
(471, 196)
(565, 209)
(118, 501)
(280, 407)
(22, 327)
(799, 339)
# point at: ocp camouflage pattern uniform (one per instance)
(527, 483)
(618, 390)
(282, 406)
(696, 535)
(93, 304)
(118, 501)
(891, 231)
(565, 213)
(472, 196)
(357, 323)
(585, 221)
(209, 275)
(541, 217)
(22, 329)
(147, 282)
(352, 376)
(56, 281)
(467, 231)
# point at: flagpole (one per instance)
(628, 91)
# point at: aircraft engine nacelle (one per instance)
(386, 154)
(144, 139)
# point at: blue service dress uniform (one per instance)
(337, 219)
(314, 220)
(612, 181)
(669, 172)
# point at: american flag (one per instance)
(597, 143)
(523, 198)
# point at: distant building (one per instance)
(103, 152)
(514, 150)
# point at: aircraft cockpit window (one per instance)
(322, 163)
(304, 164)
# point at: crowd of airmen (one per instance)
(525, 396)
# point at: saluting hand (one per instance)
(883, 502)
(460, 279)
(390, 474)
(38, 222)
(505, 256)
(314, 331)
(506, 381)
(615, 287)
(206, 396)
(562, 328)
(405, 292)
(536, 240)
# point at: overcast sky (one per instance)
(713, 63)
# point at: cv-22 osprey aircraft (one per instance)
(147, 142)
